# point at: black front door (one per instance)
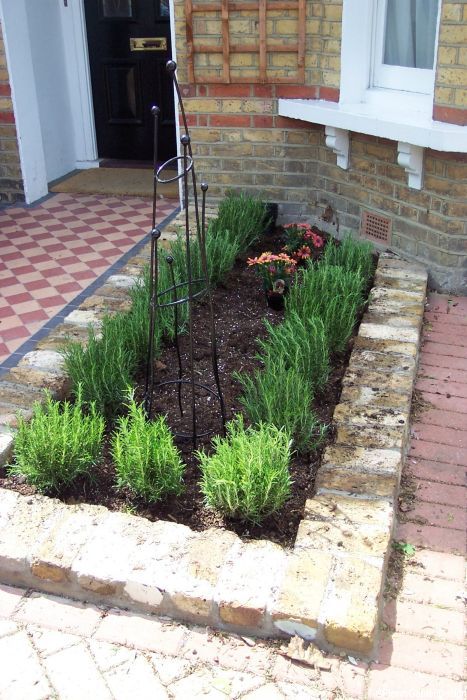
(129, 45)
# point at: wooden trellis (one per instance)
(227, 48)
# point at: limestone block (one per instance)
(46, 360)
(248, 583)
(52, 561)
(374, 396)
(18, 395)
(409, 349)
(363, 539)
(122, 281)
(394, 320)
(133, 560)
(297, 605)
(329, 508)
(373, 436)
(405, 282)
(369, 360)
(58, 384)
(386, 332)
(389, 306)
(79, 317)
(353, 483)
(349, 612)
(6, 446)
(199, 573)
(400, 269)
(349, 414)
(371, 460)
(29, 526)
(383, 381)
(62, 334)
(105, 305)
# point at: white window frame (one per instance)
(402, 116)
(401, 78)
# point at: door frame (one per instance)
(24, 90)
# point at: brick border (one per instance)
(328, 588)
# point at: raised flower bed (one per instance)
(326, 588)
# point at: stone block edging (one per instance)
(327, 588)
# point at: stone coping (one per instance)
(328, 588)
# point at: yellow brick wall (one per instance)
(323, 33)
(11, 181)
(450, 99)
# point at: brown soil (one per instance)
(239, 309)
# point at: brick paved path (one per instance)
(53, 648)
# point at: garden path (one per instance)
(55, 648)
(53, 251)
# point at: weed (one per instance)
(281, 396)
(247, 476)
(59, 444)
(146, 459)
(407, 549)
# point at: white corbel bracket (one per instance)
(338, 140)
(410, 157)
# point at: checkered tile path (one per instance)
(51, 252)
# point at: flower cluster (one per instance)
(302, 241)
(274, 269)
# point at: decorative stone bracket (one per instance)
(338, 140)
(410, 157)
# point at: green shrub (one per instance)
(103, 369)
(146, 459)
(302, 343)
(247, 476)
(243, 218)
(58, 445)
(281, 396)
(331, 293)
(351, 254)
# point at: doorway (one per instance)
(129, 44)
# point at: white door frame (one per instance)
(24, 91)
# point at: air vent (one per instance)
(376, 227)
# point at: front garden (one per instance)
(286, 305)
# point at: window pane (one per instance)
(410, 33)
(117, 8)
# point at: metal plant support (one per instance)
(185, 292)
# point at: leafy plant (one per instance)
(281, 396)
(102, 370)
(243, 218)
(247, 476)
(407, 549)
(146, 459)
(59, 444)
(331, 293)
(301, 343)
(351, 254)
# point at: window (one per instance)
(404, 45)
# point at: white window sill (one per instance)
(404, 125)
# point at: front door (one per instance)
(129, 45)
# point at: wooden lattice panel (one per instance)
(257, 44)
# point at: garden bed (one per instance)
(240, 310)
(327, 588)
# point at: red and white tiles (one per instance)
(51, 252)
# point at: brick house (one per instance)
(350, 107)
